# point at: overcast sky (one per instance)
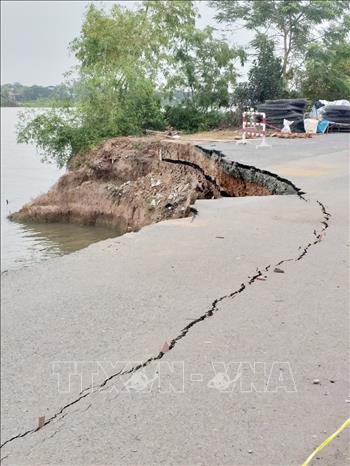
(35, 37)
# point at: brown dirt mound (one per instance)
(128, 183)
(123, 183)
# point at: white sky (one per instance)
(35, 37)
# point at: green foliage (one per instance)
(291, 23)
(265, 76)
(204, 69)
(120, 56)
(242, 96)
(113, 111)
(57, 134)
(132, 40)
(327, 66)
(150, 66)
(190, 119)
(102, 113)
(264, 79)
(327, 73)
(125, 57)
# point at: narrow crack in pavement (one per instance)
(210, 312)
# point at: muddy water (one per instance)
(23, 177)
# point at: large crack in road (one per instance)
(243, 287)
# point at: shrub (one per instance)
(190, 119)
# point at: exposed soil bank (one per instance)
(132, 182)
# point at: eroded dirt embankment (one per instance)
(128, 183)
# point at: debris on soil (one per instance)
(316, 381)
(169, 133)
(236, 135)
(214, 135)
(278, 270)
(291, 135)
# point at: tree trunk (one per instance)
(285, 57)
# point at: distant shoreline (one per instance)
(27, 105)
(17, 94)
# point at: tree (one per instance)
(130, 62)
(288, 22)
(127, 40)
(7, 99)
(242, 97)
(203, 67)
(327, 66)
(120, 56)
(265, 76)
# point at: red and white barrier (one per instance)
(253, 128)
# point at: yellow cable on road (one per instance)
(327, 441)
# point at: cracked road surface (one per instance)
(255, 280)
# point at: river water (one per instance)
(23, 177)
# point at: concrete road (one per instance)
(252, 298)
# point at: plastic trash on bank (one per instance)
(322, 126)
(286, 126)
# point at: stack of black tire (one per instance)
(289, 109)
(338, 116)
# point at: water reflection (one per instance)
(65, 237)
(31, 243)
(23, 177)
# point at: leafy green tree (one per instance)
(130, 61)
(121, 56)
(125, 57)
(203, 67)
(129, 40)
(56, 134)
(265, 76)
(242, 97)
(327, 66)
(290, 23)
